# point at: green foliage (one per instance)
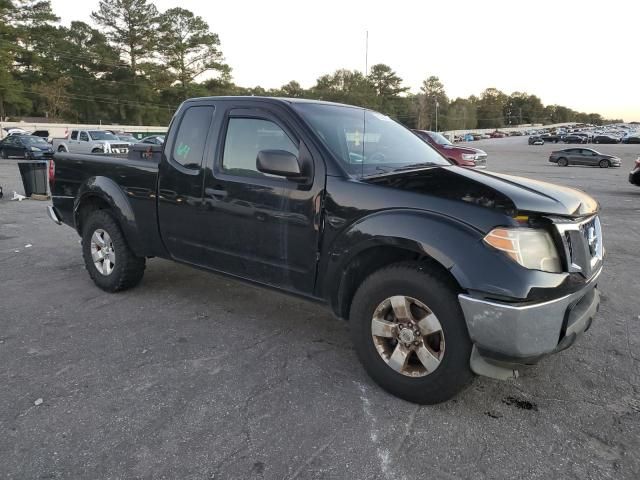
(138, 65)
(188, 47)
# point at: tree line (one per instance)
(135, 65)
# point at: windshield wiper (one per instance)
(416, 165)
(382, 172)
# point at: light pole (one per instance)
(437, 105)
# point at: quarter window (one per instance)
(74, 135)
(248, 136)
(188, 148)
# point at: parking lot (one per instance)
(195, 376)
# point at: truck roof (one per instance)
(272, 100)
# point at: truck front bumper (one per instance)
(514, 334)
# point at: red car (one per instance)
(498, 134)
(463, 156)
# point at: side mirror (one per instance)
(280, 163)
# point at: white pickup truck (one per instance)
(91, 141)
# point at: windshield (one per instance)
(439, 138)
(127, 138)
(367, 142)
(34, 141)
(100, 135)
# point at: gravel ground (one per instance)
(193, 376)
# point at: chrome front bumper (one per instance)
(523, 333)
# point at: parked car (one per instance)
(27, 147)
(634, 138)
(497, 134)
(550, 138)
(574, 138)
(442, 271)
(154, 140)
(41, 133)
(128, 138)
(463, 156)
(634, 175)
(468, 137)
(535, 140)
(8, 131)
(584, 156)
(477, 136)
(605, 139)
(90, 141)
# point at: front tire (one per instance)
(410, 334)
(604, 164)
(111, 264)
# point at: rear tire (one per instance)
(563, 162)
(429, 378)
(103, 242)
(3, 155)
(604, 164)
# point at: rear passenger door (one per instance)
(574, 156)
(180, 182)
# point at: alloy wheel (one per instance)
(102, 252)
(408, 336)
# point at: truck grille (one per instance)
(119, 146)
(582, 244)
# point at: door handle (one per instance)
(215, 193)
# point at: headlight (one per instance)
(529, 247)
(469, 156)
(34, 149)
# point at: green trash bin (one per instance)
(34, 177)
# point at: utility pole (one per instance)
(437, 105)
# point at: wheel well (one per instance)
(371, 260)
(88, 206)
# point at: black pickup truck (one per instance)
(442, 271)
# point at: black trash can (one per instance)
(34, 177)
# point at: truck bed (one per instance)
(78, 176)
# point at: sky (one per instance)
(580, 54)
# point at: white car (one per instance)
(91, 141)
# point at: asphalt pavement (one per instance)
(194, 376)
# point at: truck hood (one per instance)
(461, 149)
(493, 190)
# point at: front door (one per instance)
(262, 227)
(180, 209)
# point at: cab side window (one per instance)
(84, 137)
(248, 136)
(189, 145)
